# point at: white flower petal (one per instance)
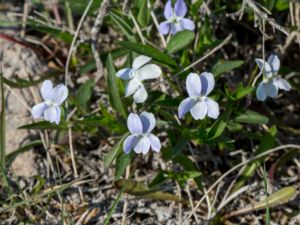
(265, 67)
(199, 110)
(274, 62)
(147, 72)
(50, 114)
(134, 124)
(58, 113)
(125, 74)
(142, 145)
(271, 89)
(261, 94)
(213, 110)
(140, 95)
(132, 87)
(155, 143)
(38, 110)
(193, 85)
(139, 61)
(283, 84)
(60, 93)
(47, 90)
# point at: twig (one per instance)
(224, 42)
(24, 19)
(263, 56)
(259, 12)
(137, 27)
(74, 40)
(94, 34)
(162, 38)
(235, 168)
(73, 160)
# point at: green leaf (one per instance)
(180, 41)
(225, 66)
(218, 127)
(148, 51)
(44, 125)
(122, 161)
(114, 96)
(84, 94)
(180, 145)
(123, 25)
(251, 117)
(242, 92)
(144, 14)
(109, 158)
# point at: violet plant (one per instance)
(53, 98)
(175, 20)
(271, 82)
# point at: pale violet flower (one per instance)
(141, 138)
(53, 98)
(198, 104)
(136, 75)
(271, 81)
(175, 18)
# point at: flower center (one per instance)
(51, 103)
(175, 19)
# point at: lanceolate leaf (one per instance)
(180, 40)
(114, 96)
(147, 50)
(225, 67)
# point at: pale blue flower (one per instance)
(175, 18)
(53, 98)
(271, 81)
(141, 138)
(138, 73)
(198, 104)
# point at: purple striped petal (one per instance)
(128, 144)
(180, 8)
(148, 121)
(207, 83)
(185, 106)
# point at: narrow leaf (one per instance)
(180, 41)
(114, 96)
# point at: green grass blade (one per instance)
(2, 125)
